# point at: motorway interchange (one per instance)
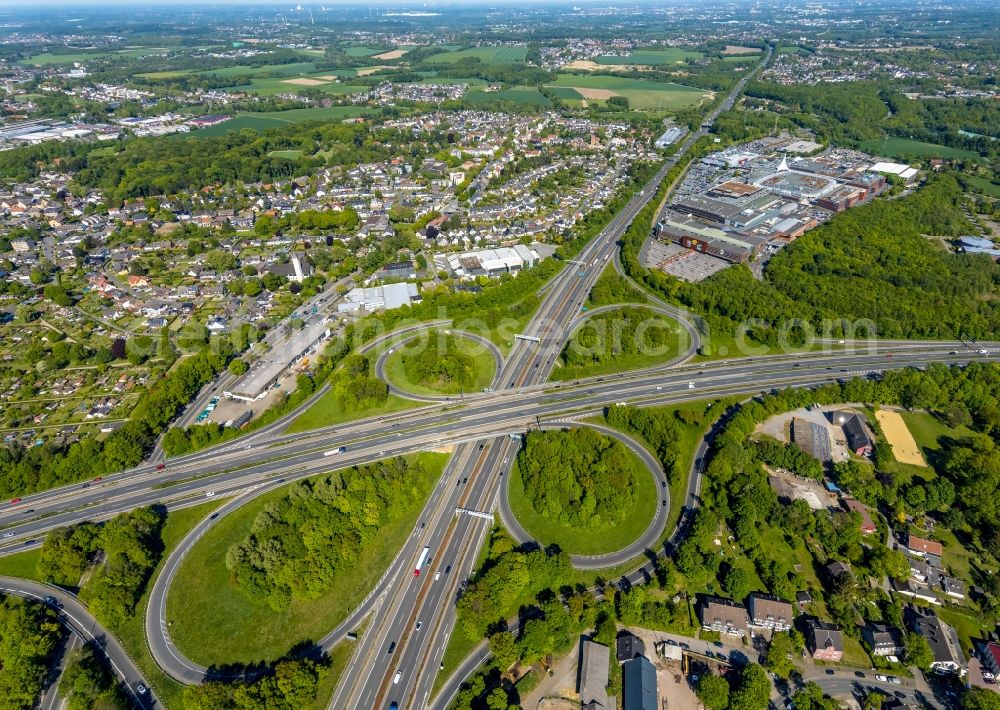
(412, 616)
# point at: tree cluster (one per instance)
(578, 477)
(29, 635)
(292, 685)
(300, 543)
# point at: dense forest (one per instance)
(578, 477)
(29, 635)
(300, 542)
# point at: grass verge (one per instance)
(214, 623)
(328, 411)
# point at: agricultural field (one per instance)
(651, 57)
(363, 51)
(641, 94)
(48, 58)
(290, 69)
(487, 55)
(165, 74)
(325, 82)
(905, 147)
(527, 95)
(271, 119)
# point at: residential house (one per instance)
(943, 641)
(824, 640)
(883, 640)
(991, 657)
(639, 685)
(922, 547)
(628, 646)
(592, 681)
(953, 587)
(724, 616)
(856, 431)
(769, 612)
(867, 524)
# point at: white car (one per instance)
(894, 680)
(209, 494)
(881, 678)
(395, 678)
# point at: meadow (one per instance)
(641, 94)
(271, 119)
(487, 55)
(528, 95)
(905, 147)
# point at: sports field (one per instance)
(901, 441)
(651, 57)
(903, 147)
(271, 119)
(641, 94)
(487, 55)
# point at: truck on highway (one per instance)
(334, 452)
(420, 561)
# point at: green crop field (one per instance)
(487, 55)
(291, 69)
(271, 119)
(527, 95)
(651, 57)
(640, 93)
(166, 74)
(606, 538)
(904, 147)
(47, 58)
(366, 51)
(566, 93)
(213, 622)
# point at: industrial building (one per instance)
(378, 298)
(736, 204)
(669, 137)
(490, 262)
(639, 690)
(282, 354)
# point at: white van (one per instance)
(395, 678)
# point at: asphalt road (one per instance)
(74, 615)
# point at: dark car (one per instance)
(829, 671)
(392, 647)
(160, 467)
(859, 674)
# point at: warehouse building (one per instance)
(490, 262)
(379, 298)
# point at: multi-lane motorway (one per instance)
(401, 649)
